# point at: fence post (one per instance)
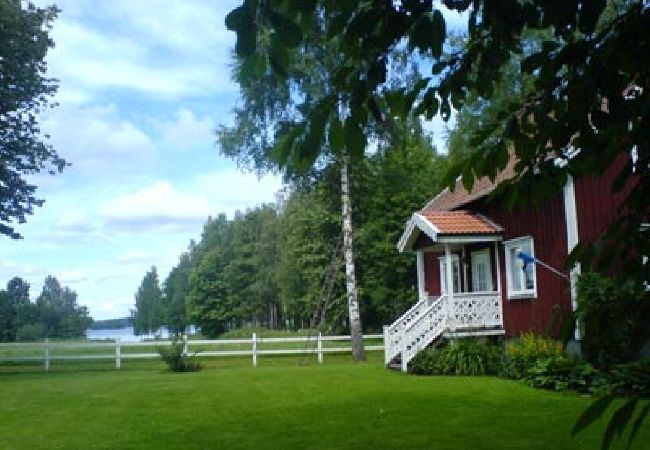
(118, 353)
(320, 348)
(387, 349)
(47, 354)
(254, 349)
(184, 344)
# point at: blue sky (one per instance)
(143, 85)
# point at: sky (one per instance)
(143, 86)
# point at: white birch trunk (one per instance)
(358, 352)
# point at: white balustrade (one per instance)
(428, 327)
(431, 317)
(473, 310)
(394, 333)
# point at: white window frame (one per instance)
(475, 256)
(522, 293)
(455, 261)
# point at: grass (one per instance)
(281, 404)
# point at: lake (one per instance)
(124, 334)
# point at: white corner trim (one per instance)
(572, 240)
(570, 214)
(421, 275)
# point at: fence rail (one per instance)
(46, 351)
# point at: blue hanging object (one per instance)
(526, 258)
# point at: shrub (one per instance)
(559, 373)
(463, 357)
(31, 332)
(177, 360)
(614, 315)
(526, 351)
(631, 379)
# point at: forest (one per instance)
(54, 314)
(280, 265)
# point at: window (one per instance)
(481, 271)
(455, 264)
(520, 277)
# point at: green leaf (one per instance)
(374, 109)
(279, 58)
(288, 32)
(637, 424)
(336, 138)
(588, 15)
(240, 21)
(235, 18)
(592, 413)
(377, 73)
(420, 35)
(355, 139)
(618, 422)
(438, 33)
(246, 41)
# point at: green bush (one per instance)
(177, 360)
(524, 353)
(560, 373)
(463, 357)
(627, 380)
(31, 332)
(247, 332)
(614, 315)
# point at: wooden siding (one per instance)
(596, 204)
(546, 225)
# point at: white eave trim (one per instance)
(416, 224)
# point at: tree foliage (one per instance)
(269, 266)
(587, 94)
(55, 313)
(24, 93)
(148, 312)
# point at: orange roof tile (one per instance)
(448, 200)
(461, 222)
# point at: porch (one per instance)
(459, 283)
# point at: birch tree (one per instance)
(269, 134)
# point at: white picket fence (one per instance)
(47, 350)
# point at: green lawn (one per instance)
(283, 405)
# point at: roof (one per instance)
(448, 200)
(448, 226)
(461, 222)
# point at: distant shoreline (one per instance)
(112, 324)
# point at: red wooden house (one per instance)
(472, 279)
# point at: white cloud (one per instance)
(135, 256)
(75, 220)
(173, 50)
(72, 277)
(231, 190)
(186, 130)
(98, 141)
(157, 207)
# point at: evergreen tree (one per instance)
(148, 304)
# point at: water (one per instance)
(124, 334)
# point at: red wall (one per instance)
(546, 224)
(597, 205)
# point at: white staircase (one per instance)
(414, 331)
(465, 314)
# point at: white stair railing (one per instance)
(394, 333)
(423, 331)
